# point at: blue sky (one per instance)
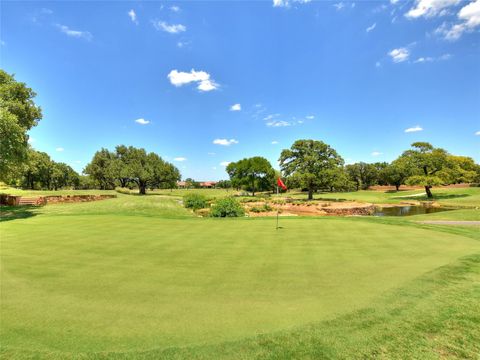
(205, 83)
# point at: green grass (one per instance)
(461, 197)
(136, 277)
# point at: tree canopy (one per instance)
(308, 162)
(255, 173)
(130, 164)
(18, 114)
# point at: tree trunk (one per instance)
(397, 187)
(310, 194)
(429, 193)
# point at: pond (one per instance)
(407, 210)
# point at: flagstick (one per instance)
(277, 209)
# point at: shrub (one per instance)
(227, 207)
(263, 208)
(195, 201)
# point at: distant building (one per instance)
(208, 184)
(202, 184)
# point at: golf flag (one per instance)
(281, 184)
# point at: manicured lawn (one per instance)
(141, 277)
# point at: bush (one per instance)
(195, 201)
(263, 208)
(227, 207)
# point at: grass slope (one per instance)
(141, 277)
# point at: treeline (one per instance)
(131, 167)
(39, 171)
(315, 166)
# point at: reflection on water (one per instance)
(407, 210)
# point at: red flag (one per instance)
(281, 184)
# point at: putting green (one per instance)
(89, 283)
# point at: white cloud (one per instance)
(274, 142)
(477, 133)
(371, 27)
(430, 8)
(470, 17)
(75, 33)
(182, 44)
(225, 142)
(414, 129)
(31, 140)
(225, 163)
(142, 121)
(278, 123)
(393, 2)
(376, 153)
(236, 107)
(59, 149)
(133, 16)
(399, 55)
(428, 59)
(339, 6)
(211, 153)
(287, 3)
(174, 8)
(170, 28)
(202, 78)
(310, 117)
(180, 158)
(377, 64)
(424, 59)
(271, 116)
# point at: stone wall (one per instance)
(55, 199)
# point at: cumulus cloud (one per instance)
(170, 28)
(477, 133)
(142, 121)
(180, 158)
(274, 142)
(310, 117)
(201, 78)
(236, 107)
(414, 129)
(174, 8)
(133, 16)
(59, 149)
(399, 55)
(376, 153)
(225, 142)
(469, 15)
(339, 6)
(430, 8)
(225, 163)
(371, 27)
(75, 33)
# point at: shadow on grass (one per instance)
(8, 213)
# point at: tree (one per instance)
(362, 174)
(427, 164)
(254, 173)
(396, 173)
(37, 170)
(18, 114)
(101, 170)
(307, 162)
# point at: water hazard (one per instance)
(407, 210)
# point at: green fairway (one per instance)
(139, 273)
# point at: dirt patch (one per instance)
(347, 208)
